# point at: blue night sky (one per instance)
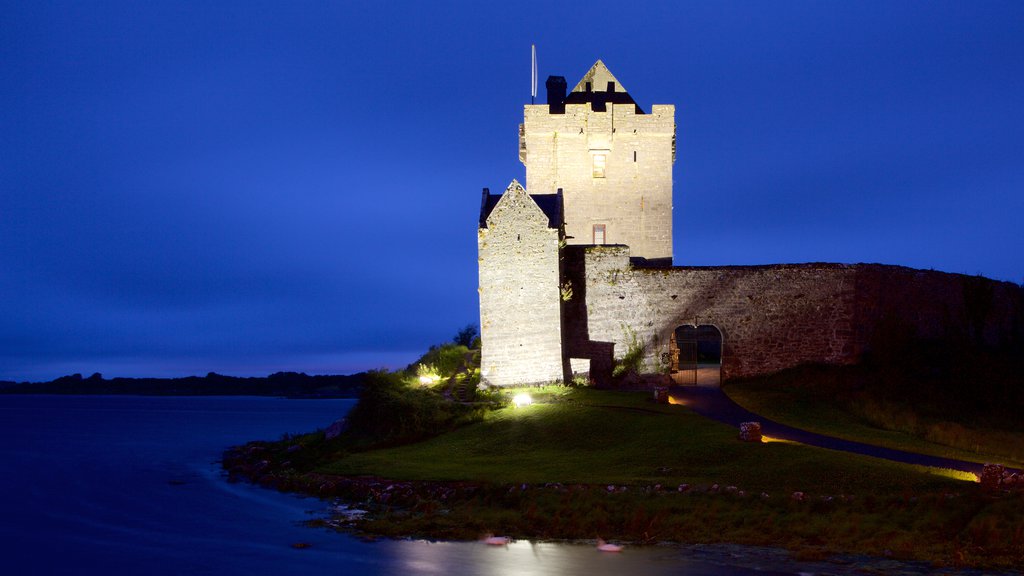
(246, 187)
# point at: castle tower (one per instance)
(612, 161)
(519, 244)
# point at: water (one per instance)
(131, 485)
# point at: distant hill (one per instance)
(291, 384)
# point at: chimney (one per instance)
(556, 94)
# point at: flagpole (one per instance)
(533, 74)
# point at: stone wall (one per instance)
(931, 304)
(520, 323)
(634, 198)
(771, 317)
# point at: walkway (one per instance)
(711, 402)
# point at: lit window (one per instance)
(598, 233)
(599, 163)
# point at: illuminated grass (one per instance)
(581, 463)
(583, 436)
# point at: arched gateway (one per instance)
(696, 355)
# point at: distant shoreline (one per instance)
(280, 384)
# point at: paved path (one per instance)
(711, 402)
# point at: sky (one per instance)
(248, 187)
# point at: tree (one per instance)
(466, 336)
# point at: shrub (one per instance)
(444, 360)
(392, 412)
(467, 336)
(632, 360)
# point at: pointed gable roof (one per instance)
(598, 87)
(598, 76)
(550, 205)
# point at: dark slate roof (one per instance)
(599, 100)
(488, 204)
(550, 204)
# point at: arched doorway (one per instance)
(697, 355)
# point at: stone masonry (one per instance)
(520, 314)
(575, 274)
(771, 317)
(612, 162)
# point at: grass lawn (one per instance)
(582, 463)
(825, 411)
(597, 437)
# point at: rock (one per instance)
(750, 431)
(661, 394)
(798, 496)
(293, 448)
(335, 429)
(683, 487)
(991, 476)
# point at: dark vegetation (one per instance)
(958, 377)
(433, 395)
(954, 392)
(392, 411)
(290, 384)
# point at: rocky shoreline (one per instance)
(372, 507)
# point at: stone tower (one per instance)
(612, 161)
(519, 241)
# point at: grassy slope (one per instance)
(588, 440)
(601, 438)
(605, 437)
(826, 411)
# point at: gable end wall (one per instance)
(520, 315)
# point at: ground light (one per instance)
(954, 474)
(522, 399)
(767, 439)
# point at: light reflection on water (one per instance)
(523, 559)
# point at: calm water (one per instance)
(131, 485)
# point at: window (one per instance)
(599, 164)
(598, 233)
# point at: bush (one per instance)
(632, 360)
(467, 336)
(392, 412)
(444, 360)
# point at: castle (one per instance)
(579, 273)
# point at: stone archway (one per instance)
(696, 355)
